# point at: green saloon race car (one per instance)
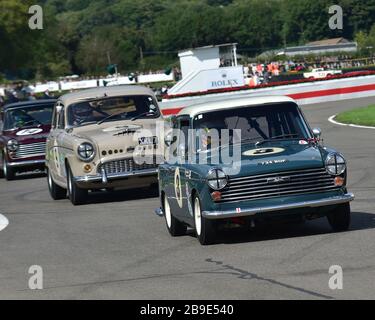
(245, 160)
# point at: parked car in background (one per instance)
(321, 73)
(24, 127)
(98, 139)
(282, 171)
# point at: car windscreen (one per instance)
(257, 124)
(112, 109)
(22, 117)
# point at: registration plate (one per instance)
(147, 140)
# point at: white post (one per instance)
(235, 55)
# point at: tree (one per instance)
(366, 41)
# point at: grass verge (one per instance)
(362, 116)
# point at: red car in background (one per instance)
(24, 127)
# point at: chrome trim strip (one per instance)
(264, 180)
(26, 163)
(99, 178)
(299, 172)
(29, 155)
(253, 211)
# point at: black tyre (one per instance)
(204, 228)
(56, 192)
(339, 219)
(76, 195)
(1, 168)
(175, 227)
(8, 172)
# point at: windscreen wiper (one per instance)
(30, 121)
(111, 116)
(142, 115)
(280, 137)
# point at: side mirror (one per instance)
(58, 109)
(317, 133)
(170, 139)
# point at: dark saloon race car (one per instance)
(242, 161)
(24, 127)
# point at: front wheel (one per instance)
(8, 172)
(76, 195)
(204, 228)
(56, 192)
(339, 218)
(175, 227)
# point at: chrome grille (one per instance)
(124, 166)
(31, 150)
(286, 183)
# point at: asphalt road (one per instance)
(117, 248)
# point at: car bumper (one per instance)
(105, 178)
(329, 201)
(27, 163)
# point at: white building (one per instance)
(208, 68)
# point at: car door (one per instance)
(2, 140)
(50, 143)
(179, 192)
(54, 145)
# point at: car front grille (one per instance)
(31, 150)
(280, 184)
(124, 166)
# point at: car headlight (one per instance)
(217, 179)
(335, 164)
(86, 151)
(12, 145)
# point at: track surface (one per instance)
(116, 248)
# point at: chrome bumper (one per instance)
(105, 177)
(26, 163)
(305, 204)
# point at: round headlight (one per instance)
(12, 145)
(217, 179)
(86, 151)
(335, 164)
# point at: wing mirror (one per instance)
(317, 133)
(58, 108)
(170, 139)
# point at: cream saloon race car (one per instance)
(103, 138)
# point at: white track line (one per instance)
(3, 222)
(331, 119)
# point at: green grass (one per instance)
(362, 116)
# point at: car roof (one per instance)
(30, 103)
(100, 92)
(192, 111)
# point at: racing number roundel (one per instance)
(177, 187)
(29, 132)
